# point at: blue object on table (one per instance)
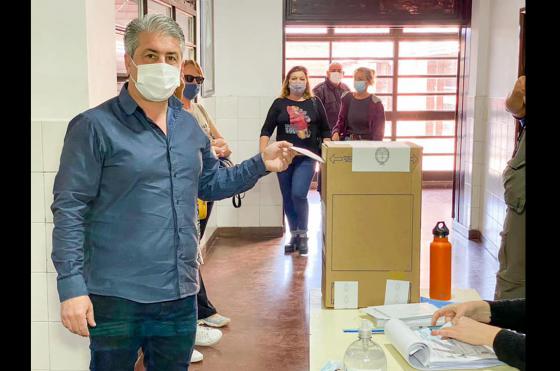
(332, 366)
(355, 330)
(437, 303)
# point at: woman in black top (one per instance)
(300, 119)
(488, 323)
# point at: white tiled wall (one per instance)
(53, 136)
(239, 119)
(499, 148)
(494, 56)
(40, 346)
(52, 347)
(246, 86)
(72, 70)
(67, 351)
(39, 297)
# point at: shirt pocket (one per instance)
(514, 183)
(190, 250)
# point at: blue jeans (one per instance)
(165, 331)
(294, 185)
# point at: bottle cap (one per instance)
(440, 231)
(365, 329)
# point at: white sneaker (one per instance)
(207, 336)
(196, 356)
(215, 320)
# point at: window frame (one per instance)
(395, 35)
(185, 6)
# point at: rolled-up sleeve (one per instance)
(218, 183)
(76, 186)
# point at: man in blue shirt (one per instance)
(125, 239)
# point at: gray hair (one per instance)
(151, 23)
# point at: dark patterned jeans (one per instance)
(164, 331)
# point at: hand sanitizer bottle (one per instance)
(365, 354)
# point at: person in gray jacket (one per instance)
(330, 92)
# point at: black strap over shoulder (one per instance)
(236, 199)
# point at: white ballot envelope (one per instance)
(308, 153)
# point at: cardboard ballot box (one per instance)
(372, 195)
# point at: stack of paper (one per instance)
(426, 352)
(413, 315)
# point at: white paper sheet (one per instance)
(402, 311)
(379, 156)
(345, 294)
(397, 292)
(308, 153)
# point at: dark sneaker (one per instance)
(302, 245)
(292, 245)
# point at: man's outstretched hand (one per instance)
(277, 156)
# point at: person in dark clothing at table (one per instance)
(362, 115)
(300, 119)
(488, 323)
(329, 92)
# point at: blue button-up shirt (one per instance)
(125, 213)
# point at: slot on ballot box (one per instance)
(371, 196)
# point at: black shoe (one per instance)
(292, 245)
(302, 245)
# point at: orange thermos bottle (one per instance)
(440, 264)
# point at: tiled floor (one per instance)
(266, 292)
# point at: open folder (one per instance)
(426, 352)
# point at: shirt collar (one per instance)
(129, 105)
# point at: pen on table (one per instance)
(381, 331)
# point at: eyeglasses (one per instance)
(190, 78)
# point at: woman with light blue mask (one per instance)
(362, 115)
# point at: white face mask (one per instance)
(156, 81)
(335, 77)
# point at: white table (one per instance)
(328, 342)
